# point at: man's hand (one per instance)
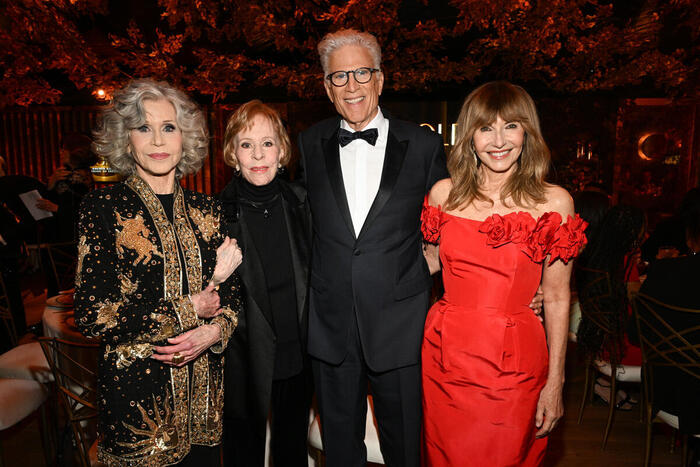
(432, 257)
(536, 303)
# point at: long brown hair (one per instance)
(482, 106)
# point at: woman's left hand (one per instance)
(188, 345)
(550, 409)
(228, 257)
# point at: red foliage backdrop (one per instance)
(223, 50)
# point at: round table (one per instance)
(59, 323)
(58, 319)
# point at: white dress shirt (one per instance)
(361, 164)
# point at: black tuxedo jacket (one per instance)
(381, 274)
(250, 355)
(675, 281)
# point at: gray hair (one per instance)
(335, 40)
(126, 112)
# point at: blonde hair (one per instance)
(526, 186)
(335, 40)
(126, 112)
(242, 119)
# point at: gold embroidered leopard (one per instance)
(134, 236)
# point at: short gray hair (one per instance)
(126, 112)
(335, 40)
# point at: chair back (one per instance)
(669, 336)
(6, 314)
(601, 308)
(594, 292)
(64, 259)
(76, 384)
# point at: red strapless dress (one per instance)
(484, 352)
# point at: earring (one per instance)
(476, 157)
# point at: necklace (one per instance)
(263, 206)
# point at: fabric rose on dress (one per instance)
(430, 219)
(570, 239)
(543, 236)
(497, 229)
(522, 223)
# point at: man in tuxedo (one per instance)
(367, 175)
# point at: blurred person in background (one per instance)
(614, 250)
(674, 281)
(67, 186)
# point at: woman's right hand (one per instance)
(206, 303)
(228, 257)
(46, 205)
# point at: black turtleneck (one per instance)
(261, 210)
(168, 203)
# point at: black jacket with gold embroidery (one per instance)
(129, 295)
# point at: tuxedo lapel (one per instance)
(335, 174)
(393, 160)
(251, 270)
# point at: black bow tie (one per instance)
(345, 137)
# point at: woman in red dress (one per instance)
(492, 372)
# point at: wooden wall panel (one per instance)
(30, 139)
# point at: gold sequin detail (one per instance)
(208, 224)
(128, 353)
(107, 314)
(126, 286)
(83, 249)
(162, 433)
(134, 236)
(168, 327)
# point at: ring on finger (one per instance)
(178, 358)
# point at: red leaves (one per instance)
(220, 48)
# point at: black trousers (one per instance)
(341, 393)
(290, 401)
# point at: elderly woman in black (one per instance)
(151, 257)
(266, 366)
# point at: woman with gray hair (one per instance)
(154, 283)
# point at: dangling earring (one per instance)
(476, 157)
(237, 170)
(280, 168)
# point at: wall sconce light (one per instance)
(100, 94)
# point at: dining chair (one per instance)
(594, 296)
(669, 337)
(374, 453)
(63, 259)
(6, 314)
(75, 383)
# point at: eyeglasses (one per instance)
(362, 75)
